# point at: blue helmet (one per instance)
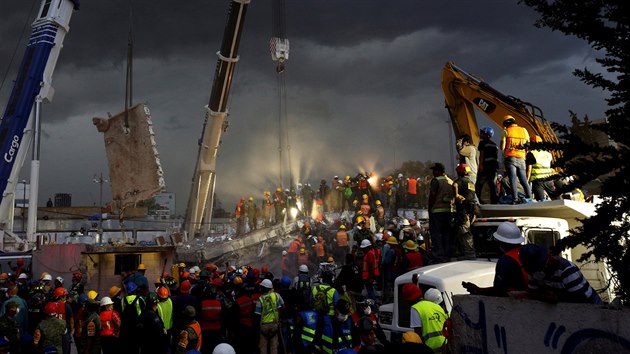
(285, 281)
(83, 298)
(488, 131)
(131, 287)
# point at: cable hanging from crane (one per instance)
(279, 47)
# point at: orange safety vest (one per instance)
(246, 309)
(370, 265)
(210, 314)
(411, 186)
(107, 328)
(195, 327)
(513, 253)
(61, 310)
(515, 141)
(342, 238)
(294, 246)
(239, 209)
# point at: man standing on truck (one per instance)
(488, 165)
(539, 170)
(509, 274)
(440, 213)
(513, 146)
(464, 216)
(427, 317)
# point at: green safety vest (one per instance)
(542, 167)
(433, 318)
(269, 308)
(165, 311)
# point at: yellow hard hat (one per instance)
(360, 219)
(378, 202)
(182, 265)
(342, 226)
(278, 189)
(92, 294)
(330, 259)
(251, 198)
(141, 266)
(365, 196)
(114, 290)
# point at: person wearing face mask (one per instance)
(337, 330)
(553, 278)
(509, 274)
(364, 309)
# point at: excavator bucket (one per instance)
(134, 165)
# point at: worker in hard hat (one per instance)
(509, 274)
(190, 338)
(427, 317)
(267, 209)
(279, 205)
(464, 216)
(152, 335)
(252, 214)
(539, 171)
(513, 144)
(441, 207)
(369, 267)
(267, 309)
(239, 214)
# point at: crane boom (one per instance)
(33, 84)
(463, 92)
(200, 202)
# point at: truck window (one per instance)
(485, 244)
(543, 237)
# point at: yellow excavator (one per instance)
(463, 92)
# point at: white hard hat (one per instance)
(191, 270)
(47, 277)
(223, 348)
(433, 295)
(406, 222)
(23, 276)
(284, 253)
(366, 243)
(197, 269)
(378, 236)
(508, 232)
(303, 268)
(266, 284)
(106, 301)
(59, 279)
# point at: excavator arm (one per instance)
(463, 92)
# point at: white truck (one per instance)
(447, 277)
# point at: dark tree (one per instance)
(605, 25)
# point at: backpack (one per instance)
(129, 317)
(320, 300)
(303, 287)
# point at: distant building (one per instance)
(167, 201)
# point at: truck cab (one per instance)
(448, 277)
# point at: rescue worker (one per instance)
(366, 208)
(239, 214)
(513, 146)
(304, 331)
(464, 216)
(22, 310)
(324, 196)
(307, 199)
(468, 155)
(252, 214)
(50, 330)
(110, 322)
(412, 193)
(337, 331)
(379, 214)
(279, 204)
(509, 274)
(77, 288)
(128, 328)
(341, 242)
(79, 319)
(554, 278)
(440, 213)
(140, 279)
(268, 308)
(153, 334)
(392, 191)
(302, 285)
(267, 208)
(488, 165)
(9, 327)
(302, 258)
(190, 338)
(245, 328)
(412, 256)
(370, 268)
(392, 265)
(427, 317)
(323, 299)
(64, 312)
(165, 309)
(211, 319)
(539, 171)
(92, 329)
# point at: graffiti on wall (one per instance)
(557, 337)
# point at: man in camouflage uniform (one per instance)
(50, 330)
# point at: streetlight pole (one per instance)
(100, 181)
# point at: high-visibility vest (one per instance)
(433, 317)
(542, 167)
(342, 238)
(513, 253)
(344, 340)
(210, 314)
(269, 308)
(411, 186)
(197, 328)
(245, 310)
(309, 321)
(330, 295)
(370, 265)
(239, 209)
(107, 323)
(444, 198)
(515, 141)
(165, 311)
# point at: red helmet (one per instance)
(185, 286)
(463, 168)
(50, 308)
(20, 261)
(77, 276)
(264, 269)
(59, 292)
(163, 292)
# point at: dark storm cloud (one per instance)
(362, 84)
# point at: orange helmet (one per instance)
(50, 309)
(163, 292)
(59, 292)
